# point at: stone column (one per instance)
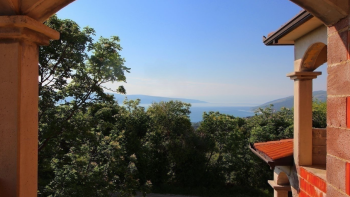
(303, 116)
(279, 190)
(20, 37)
(280, 193)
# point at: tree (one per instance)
(266, 125)
(82, 152)
(319, 114)
(227, 141)
(91, 146)
(269, 125)
(70, 79)
(170, 128)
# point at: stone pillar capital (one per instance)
(25, 28)
(303, 75)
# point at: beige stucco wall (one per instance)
(303, 43)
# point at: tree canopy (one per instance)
(81, 151)
(91, 146)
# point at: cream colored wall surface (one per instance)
(302, 44)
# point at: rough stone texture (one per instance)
(334, 193)
(319, 155)
(348, 112)
(336, 172)
(336, 112)
(319, 150)
(319, 137)
(338, 85)
(347, 182)
(319, 159)
(319, 146)
(343, 23)
(338, 79)
(338, 48)
(338, 142)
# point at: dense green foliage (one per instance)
(81, 151)
(319, 114)
(89, 145)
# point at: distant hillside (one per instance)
(150, 99)
(288, 102)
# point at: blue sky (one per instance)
(199, 49)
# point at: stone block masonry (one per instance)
(347, 186)
(319, 146)
(338, 109)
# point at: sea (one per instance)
(197, 110)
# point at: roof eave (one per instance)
(268, 160)
(294, 23)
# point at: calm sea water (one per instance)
(197, 110)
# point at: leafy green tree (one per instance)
(70, 79)
(82, 151)
(167, 148)
(228, 138)
(169, 127)
(91, 146)
(319, 114)
(225, 137)
(269, 125)
(134, 121)
(92, 160)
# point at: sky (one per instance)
(210, 50)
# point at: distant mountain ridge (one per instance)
(288, 102)
(145, 99)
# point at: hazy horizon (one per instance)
(213, 104)
(198, 49)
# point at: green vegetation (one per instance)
(90, 146)
(81, 153)
(288, 102)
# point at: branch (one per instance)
(57, 63)
(45, 142)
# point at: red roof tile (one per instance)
(276, 149)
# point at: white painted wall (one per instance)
(303, 43)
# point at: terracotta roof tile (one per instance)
(276, 149)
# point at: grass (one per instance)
(234, 191)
